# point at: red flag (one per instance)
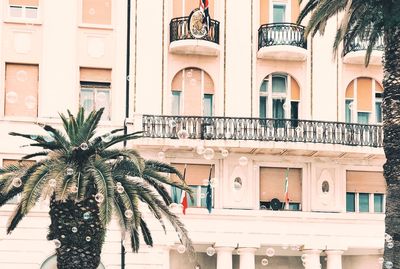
(184, 199)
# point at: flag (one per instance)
(209, 193)
(287, 189)
(204, 8)
(184, 199)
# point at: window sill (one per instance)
(23, 21)
(95, 26)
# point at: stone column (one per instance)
(247, 258)
(224, 257)
(312, 260)
(334, 259)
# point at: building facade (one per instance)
(252, 98)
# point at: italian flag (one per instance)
(184, 199)
(287, 189)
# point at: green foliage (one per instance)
(363, 19)
(75, 161)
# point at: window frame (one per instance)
(371, 203)
(270, 96)
(354, 111)
(288, 10)
(303, 206)
(95, 90)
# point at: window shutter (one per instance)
(365, 182)
(31, 3)
(196, 174)
(21, 90)
(272, 184)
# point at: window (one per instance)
(278, 14)
(196, 93)
(21, 90)
(96, 12)
(27, 9)
(363, 101)
(365, 191)
(272, 186)
(95, 90)
(279, 97)
(197, 178)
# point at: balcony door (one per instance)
(279, 97)
(279, 13)
(192, 93)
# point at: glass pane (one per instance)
(294, 110)
(378, 203)
(350, 202)
(264, 86)
(103, 100)
(378, 111)
(176, 195)
(363, 204)
(208, 105)
(31, 12)
(16, 11)
(279, 13)
(348, 104)
(176, 103)
(203, 196)
(363, 117)
(277, 108)
(194, 203)
(279, 84)
(263, 107)
(87, 100)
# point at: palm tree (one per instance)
(87, 181)
(370, 19)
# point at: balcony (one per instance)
(354, 52)
(183, 42)
(279, 41)
(257, 129)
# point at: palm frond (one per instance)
(105, 185)
(146, 233)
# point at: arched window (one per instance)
(192, 93)
(51, 263)
(279, 97)
(363, 101)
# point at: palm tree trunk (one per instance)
(391, 127)
(78, 228)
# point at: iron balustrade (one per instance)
(273, 34)
(360, 43)
(287, 130)
(179, 30)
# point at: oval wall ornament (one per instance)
(196, 25)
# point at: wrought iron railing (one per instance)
(272, 34)
(288, 130)
(360, 43)
(179, 30)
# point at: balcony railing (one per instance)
(179, 30)
(287, 130)
(273, 34)
(360, 43)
